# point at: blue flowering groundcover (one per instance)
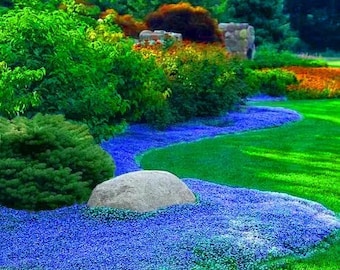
(235, 227)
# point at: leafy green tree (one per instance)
(15, 85)
(271, 24)
(140, 8)
(88, 77)
(57, 42)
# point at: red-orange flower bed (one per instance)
(318, 82)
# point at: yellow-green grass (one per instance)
(333, 63)
(301, 159)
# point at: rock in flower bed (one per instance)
(234, 226)
(241, 224)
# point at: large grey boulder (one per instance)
(141, 191)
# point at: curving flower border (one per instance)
(229, 227)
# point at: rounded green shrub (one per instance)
(273, 82)
(203, 80)
(47, 162)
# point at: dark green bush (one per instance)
(47, 162)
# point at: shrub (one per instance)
(81, 7)
(15, 96)
(273, 82)
(203, 79)
(47, 162)
(194, 23)
(91, 73)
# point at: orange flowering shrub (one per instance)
(194, 23)
(317, 82)
(127, 23)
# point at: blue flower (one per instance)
(227, 227)
(140, 138)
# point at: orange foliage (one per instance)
(194, 23)
(127, 23)
(108, 12)
(321, 81)
(167, 8)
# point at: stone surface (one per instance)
(239, 38)
(141, 191)
(149, 37)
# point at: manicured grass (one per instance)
(302, 159)
(333, 63)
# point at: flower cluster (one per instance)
(318, 82)
(233, 227)
(139, 138)
(244, 225)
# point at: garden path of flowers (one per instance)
(243, 225)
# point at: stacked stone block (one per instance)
(239, 38)
(150, 37)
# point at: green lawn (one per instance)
(333, 62)
(301, 159)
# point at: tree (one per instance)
(271, 24)
(316, 22)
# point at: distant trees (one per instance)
(271, 24)
(317, 22)
(279, 22)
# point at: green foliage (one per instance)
(47, 162)
(80, 9)
(203, 81)
(272, 82)
(269, 57)
(89, 78)
(15, 89)
(36, 4)
(140, 81)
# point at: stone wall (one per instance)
(147, 36)
(239, 38)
